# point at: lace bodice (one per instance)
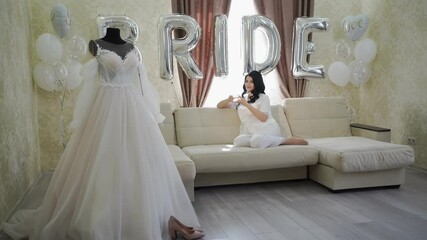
(115, 71)
(110, 70)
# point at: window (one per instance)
(232, 84)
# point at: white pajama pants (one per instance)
(257, 141)
(267, 137)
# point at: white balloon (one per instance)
(355, 26)
(343, 49)
(365, 50)
(74, 78)
(44, 76)
(49, 48)
(76, 48)
(60, 73)
(60, 18)
(339, 73)
(360, 72)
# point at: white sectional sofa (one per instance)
(200, 140)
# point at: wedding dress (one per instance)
(116, 178)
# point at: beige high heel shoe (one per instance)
(175, 228)
(183, 225)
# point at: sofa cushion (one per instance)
(200, 126)
(280, 117)
(206, 126)
(184, 164)
(358, 154)
(226, 158)
(317, 117)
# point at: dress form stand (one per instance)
(111, 41)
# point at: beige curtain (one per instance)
(194, 92)
(283, 13)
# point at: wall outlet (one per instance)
(412, 141)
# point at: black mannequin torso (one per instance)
(111, 41)
(112, 35)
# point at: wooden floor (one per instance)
(305, 210)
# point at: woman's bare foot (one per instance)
(295, 141)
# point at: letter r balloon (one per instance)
(178, 47)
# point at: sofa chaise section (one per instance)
(345, 161)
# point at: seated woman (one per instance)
(258, 127)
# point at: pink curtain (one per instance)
(194, 92)
(283, 13)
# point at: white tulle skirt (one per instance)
(115, 180)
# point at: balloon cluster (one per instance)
(60, 63)
(358, 70)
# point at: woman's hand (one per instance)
(225, 103)
(242, 101)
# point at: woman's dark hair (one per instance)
(259, 86)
